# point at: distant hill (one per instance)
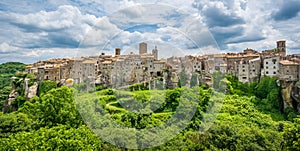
(11, 67)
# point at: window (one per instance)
(253, 70)
(274, 67)
(267, 67)
(244, 77)
(243, 70)
(274, 72)
(287, 70)
(267, 62)
(267, 72)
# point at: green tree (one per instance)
(57, 138)
(53, 108)
(292, 136)
(46, 86)
(13, 123)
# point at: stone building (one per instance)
(271, 66)
(221, 63)
(122, 70)
(142, 48)
(89, 70)
(281, 48)
(243, 72)
(233, 60)
(254, 69)
(155, 53)
(288, 70)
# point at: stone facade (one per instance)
(243, 72)
(271, 66)
(120, 70)
(288, 70)
(254, 69)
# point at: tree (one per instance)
(46, 86)
(292, 136)
(57, 138)
(53, 108)
(13, 123)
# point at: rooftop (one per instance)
(287, 62)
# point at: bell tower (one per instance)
(155, 53)
(281, 48)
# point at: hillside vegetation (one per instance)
(60, 118)
(7, 70)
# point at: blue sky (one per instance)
(33, 30)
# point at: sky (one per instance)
(34, 30)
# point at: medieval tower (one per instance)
(281, 48)
(143, 48)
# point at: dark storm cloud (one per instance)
(215, 17)
(247, 38)
(288, 10)
(221, 35)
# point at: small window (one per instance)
(267, 72)
(244, 77)
(274, 67)
(243, 70)
(267, 62)
(267, 67)
(287, 71)
(274, 72)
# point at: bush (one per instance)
(46, 86)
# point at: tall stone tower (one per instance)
(281, 48)
(143, 48)
(118, 51)
(155, 53)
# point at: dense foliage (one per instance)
(251, 118)
(7, 70)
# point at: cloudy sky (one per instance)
(33, 30)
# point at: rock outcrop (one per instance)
(8, 103)
(32, 91)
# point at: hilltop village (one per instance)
(123, 70)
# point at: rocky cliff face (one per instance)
(7, 106)
(286, 95)
(32, 91)
(290, 94)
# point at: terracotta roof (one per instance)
(89, 62)
(287, 62)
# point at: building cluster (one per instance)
(107, 70)
(121, 70)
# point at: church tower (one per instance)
(155, 53)
(281, 48)
(143, 48)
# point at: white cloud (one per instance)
(4, 47)
(59, 27)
